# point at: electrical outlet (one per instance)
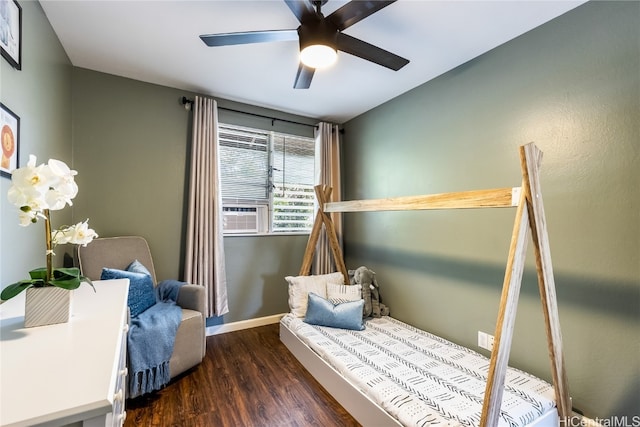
(485, 340)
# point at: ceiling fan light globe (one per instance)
(318, 56)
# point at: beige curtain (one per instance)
(204, 261)
(328, 172)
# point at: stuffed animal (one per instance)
(370, 292)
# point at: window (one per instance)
(267, 180)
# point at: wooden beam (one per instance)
(494, 198)
(506, 318)
(530, 157)
(334, 243)
(322, 193)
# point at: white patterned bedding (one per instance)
(419, 378)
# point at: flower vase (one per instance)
(46, 306)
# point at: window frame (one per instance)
(268, 228)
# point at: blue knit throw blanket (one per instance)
(150, 341)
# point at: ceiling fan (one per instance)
(319, 36)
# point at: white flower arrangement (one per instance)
(37, 190)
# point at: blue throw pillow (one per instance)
(141, 292)
(347, 315)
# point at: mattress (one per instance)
(420, 378)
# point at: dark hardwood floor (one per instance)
(248, 378)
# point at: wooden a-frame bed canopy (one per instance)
(527, 200)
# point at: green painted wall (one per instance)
(40, 94)
(573, 87)
(131, 147)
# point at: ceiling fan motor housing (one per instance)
(318, 43)
(319, 32)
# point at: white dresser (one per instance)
(72, 373)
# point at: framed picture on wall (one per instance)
(10, 140)
(11, 32)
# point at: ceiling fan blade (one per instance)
(370, 52)
(355, 11)
(303, 77)
(247, 37)
(302, 9)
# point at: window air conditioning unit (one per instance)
(239, 219)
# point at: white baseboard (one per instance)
(243, 324)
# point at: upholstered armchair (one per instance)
(118, 253)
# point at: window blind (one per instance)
(292, 178)
(244, 160)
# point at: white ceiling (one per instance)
(157, 41)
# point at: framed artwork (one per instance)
(10, 140)
(11, 32)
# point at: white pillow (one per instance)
(300, 286)
(338, 294)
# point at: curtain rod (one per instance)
(186, 101)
